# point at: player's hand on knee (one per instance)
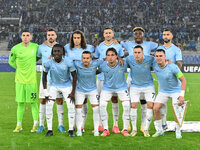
(181, 100)
(72, 98)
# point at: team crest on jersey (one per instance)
(32, 51)
(64, 67)
(167, 73)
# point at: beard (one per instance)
(166, 41)
(51, 41)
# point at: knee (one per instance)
(156, 109)
(59, 101)
(134, 105)
(114, 99)
(43, 101)
(142, 101)
(78, 106)
(149, 105)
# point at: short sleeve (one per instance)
(47, 66)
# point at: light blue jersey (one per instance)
(147, 46)
(114, 78)
(60, 72)
(76, 53)
(140, 73)
(168, 81)
(44, 52)
(100, 52)
(86, 76)
(173, 53)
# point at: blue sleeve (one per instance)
(178, 54)
(90, 48)
(71, 66)
(47, 66)
(97, 54)
(154, 64)
(99, 62)
(39, 52)
(121, 52)
(175, 69)
(66, 49)
(154, 45)
(127, 61)
(124, 45)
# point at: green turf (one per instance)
(27, 140)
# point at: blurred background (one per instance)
(92, 16)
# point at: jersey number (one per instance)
(33, 95)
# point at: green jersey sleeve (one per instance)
(12, 58)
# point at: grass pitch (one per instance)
(35, 141)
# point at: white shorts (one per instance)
(128, 81)
(148, 92)
(65, 91)
(99, 86)
(164, 97)
(41, 92)
(93, 96)
(106, 95)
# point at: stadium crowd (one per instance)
(92, 16)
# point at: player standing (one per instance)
(141, 83)
(74, 50)
(172, 85)
(44, 52)
(173, 53)
(60, 68)
(100, 52)
(147, 46)
(86, 88)
(114, 84)
(24, 54)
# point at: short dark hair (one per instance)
(58, 45)
(108, 28)
(167, 29)
(160, 50)
(25, 30)
(87, 52)
(138, 46)
(111, 49)
(51, 29)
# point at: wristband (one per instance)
(182, 93)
